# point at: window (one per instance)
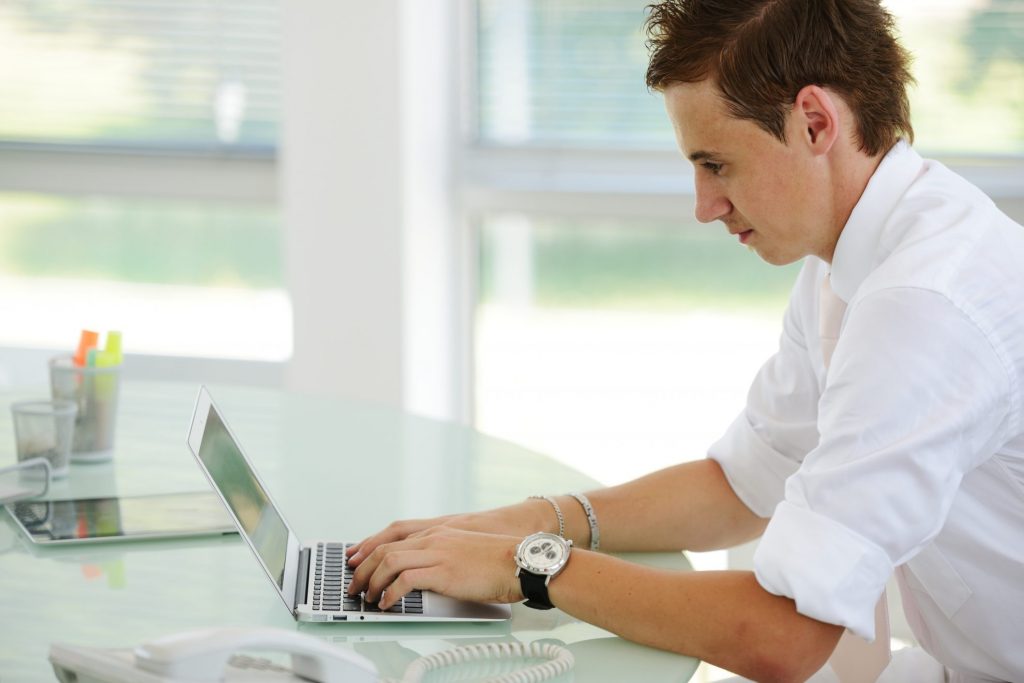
(195, 74)
(138, 138)
(565, 73)
(612, 331)
(618, 344)
(969, 65)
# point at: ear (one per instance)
(817, 118)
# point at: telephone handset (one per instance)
(209, 655)
(203, 655)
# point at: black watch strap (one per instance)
(535, 588)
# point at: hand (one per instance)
(468, 565)
(514, 520)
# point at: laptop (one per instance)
(311, 578)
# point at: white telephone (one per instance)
(210, 655)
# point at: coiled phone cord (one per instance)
(559, 661)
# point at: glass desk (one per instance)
(337, 470)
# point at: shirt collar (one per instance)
(858, 250)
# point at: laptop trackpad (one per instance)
(437, 605)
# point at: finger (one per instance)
(396, 531)
(354, 548)
(393, 532)
(408, 580)
(360, 550)
(366, 568)
(392, 566)
(363, 567)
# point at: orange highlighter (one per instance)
(88, 340)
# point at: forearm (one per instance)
(724, 618)
(689, 506)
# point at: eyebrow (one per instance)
(701, 155)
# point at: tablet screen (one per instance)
(123, 518)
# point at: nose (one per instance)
(712, 203)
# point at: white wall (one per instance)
(371, 258)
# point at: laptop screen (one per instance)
(244, 495)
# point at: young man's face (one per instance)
(769, 193)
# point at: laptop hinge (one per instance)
(302, 577)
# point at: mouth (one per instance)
(744, 235)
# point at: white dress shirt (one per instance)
(908, 454)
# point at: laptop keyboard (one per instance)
(330, 586)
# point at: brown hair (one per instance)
(760, 53)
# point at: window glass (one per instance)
(132, 240)
(178, 278)
(153, 73)
(181, 77)
(619, 345)
(566, 72)
(625, 263)
(969, 66)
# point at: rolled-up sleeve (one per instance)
(917, 396)
(829, 570)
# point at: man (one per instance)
(885, 435)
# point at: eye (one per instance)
(711, 167)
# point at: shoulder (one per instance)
(947, 237)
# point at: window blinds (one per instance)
(174, 74)
(565, 72)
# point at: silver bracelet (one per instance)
(558, 511)
(595, 531)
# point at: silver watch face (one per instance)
(543, 553)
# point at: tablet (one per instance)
(123, 518)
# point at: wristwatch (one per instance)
(540, 557)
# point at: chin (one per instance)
(777, 259)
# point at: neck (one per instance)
(851, 170)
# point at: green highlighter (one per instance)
(111, 355)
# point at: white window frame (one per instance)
(240, 176)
